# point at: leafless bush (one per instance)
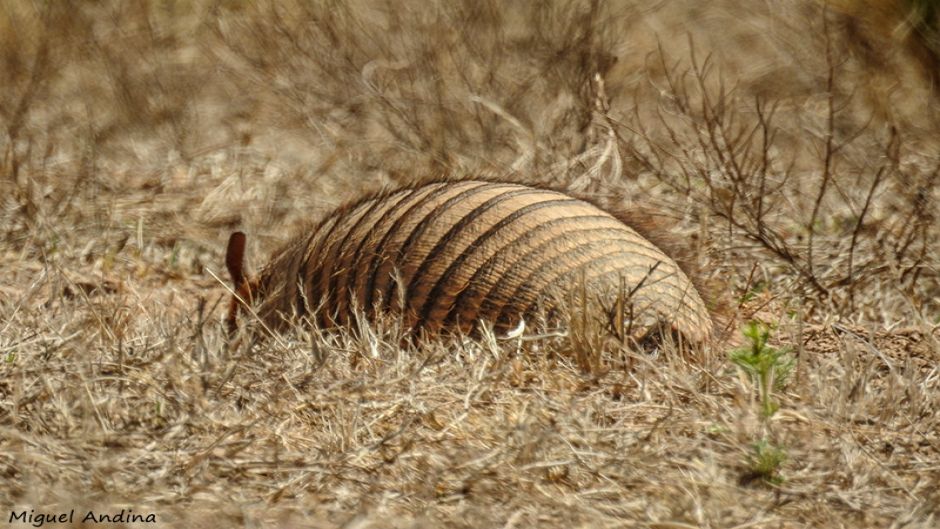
(27, 43)
(722, 149)
(473, 79)
(92, 89)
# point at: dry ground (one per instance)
(792, 146)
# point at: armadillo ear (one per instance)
(235, 258)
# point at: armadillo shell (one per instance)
(449, 255)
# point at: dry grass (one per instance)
(795, 147)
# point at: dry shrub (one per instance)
(411, 90)
(812, 193)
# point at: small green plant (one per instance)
(765, 461)
(769, 367)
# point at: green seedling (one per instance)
(765, 461)
(767, 366)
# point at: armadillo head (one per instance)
(243, 287)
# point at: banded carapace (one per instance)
(449, 255)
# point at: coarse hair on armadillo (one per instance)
(448, 255)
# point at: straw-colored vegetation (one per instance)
(794, 148)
